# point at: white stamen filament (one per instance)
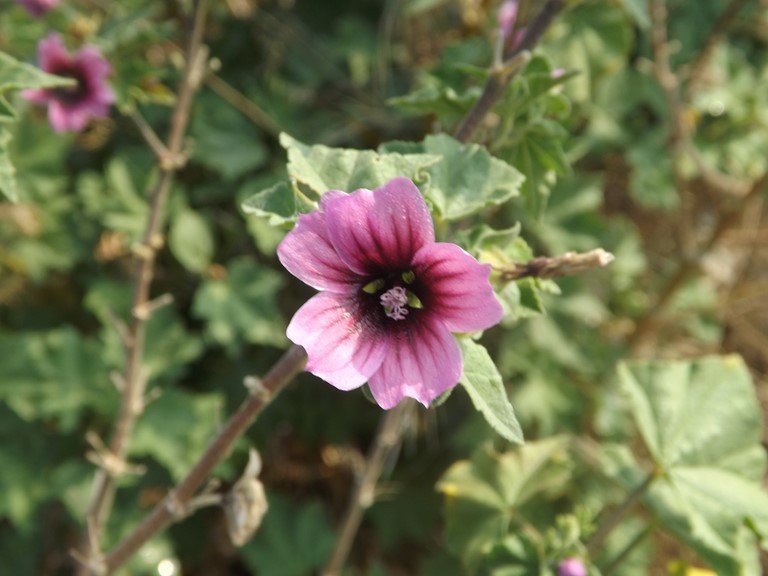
(394, 301)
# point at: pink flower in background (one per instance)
(70, 107)
(390, 296)
(507, 18)
(571, 567)
(38, 7)
(507, 15)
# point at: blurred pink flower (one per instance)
(70, 107)
(390, 296)
(571, 567)
(507, 15)
(38, 7)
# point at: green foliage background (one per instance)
(306, 96)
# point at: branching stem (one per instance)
(502, 74)
(175, 503)
(133, 379)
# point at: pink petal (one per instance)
(422, 362)
(307, 253)
(36, 96)
(341, 347)
(456, 288)
(93, 63)
(60, 118)
(52, 54)
(380, 229)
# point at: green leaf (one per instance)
(320, 168)
(443, 101)
(226, 141)
(175, 429)
(482, 381)
(7, 171)
(294, 540)
(466, 179)
(482, 495)
(191, 241)
(539, 155)
(702, 424)
(53, 375)
(638, 10)
(15, 75)
(281, 204)
(702, 412)
(242, 306)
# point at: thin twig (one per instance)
(564, 265)
(387, 439)
(174, 505)
(501, 75)
(134, 382)
(679, 132)
(241, 102)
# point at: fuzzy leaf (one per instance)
(467, 178)
(483, 494)
(15, 75)
(293, 541)
(702, 424)
(482, 381)
(242, 306)
(191, 241)
(320, 168)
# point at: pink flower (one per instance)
(70, 107)
(38, 7)
(390, 295)
(571, 567)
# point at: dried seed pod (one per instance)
(246, 503)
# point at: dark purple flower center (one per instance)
(394, 296)
(71, 94)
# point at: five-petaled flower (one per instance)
(70, 107)
(390, 296)
(38, 7)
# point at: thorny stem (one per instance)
(502, 74)
(134, 377)
(618, 514)
(386, 441)
(554, 267)
(174, 505)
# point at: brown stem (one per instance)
(174, 504)
(134, 379)
(501, 75)
(564, 265)
(387, 439)
(679, 132)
